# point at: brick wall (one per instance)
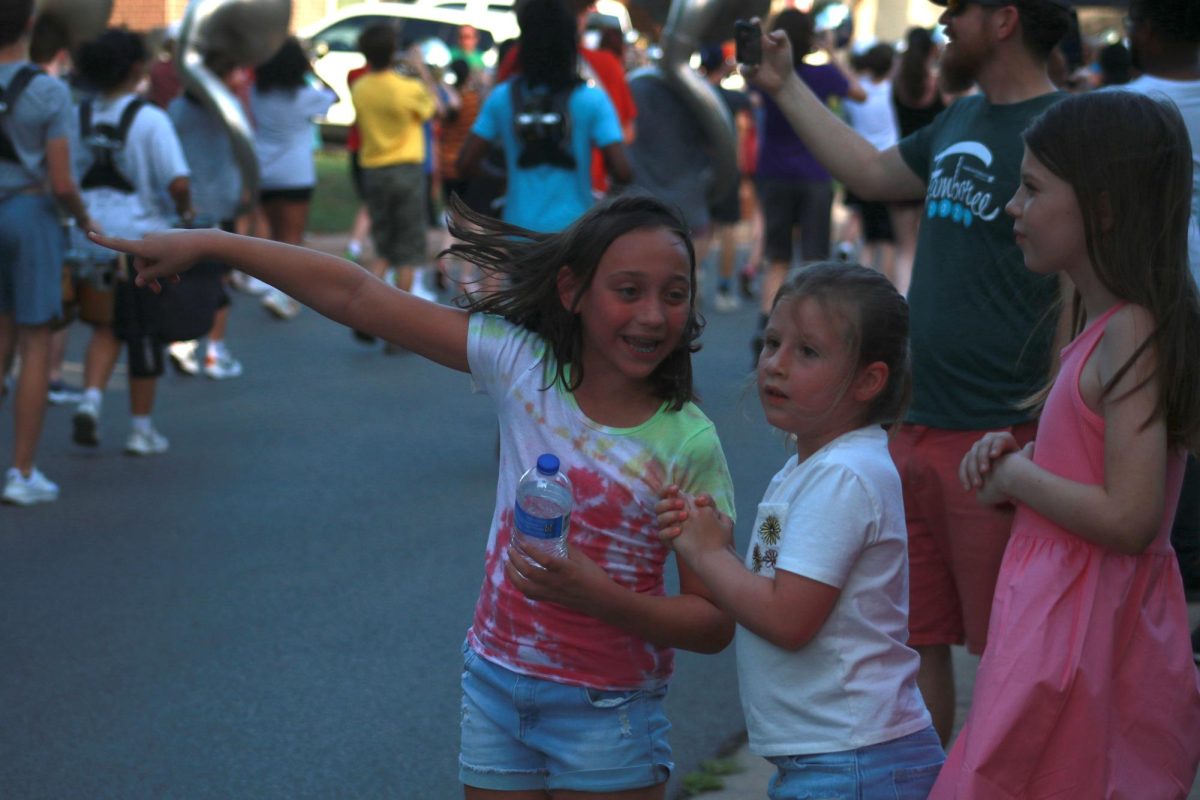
(149, 15)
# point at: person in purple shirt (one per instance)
(793, 188)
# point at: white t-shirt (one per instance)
(150, 160)
(617, 475)
(875, 117)
(1186, 95)
(837, 518)
(284, 137)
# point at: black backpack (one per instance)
(542, 125)
(106, 141)
(9, 96)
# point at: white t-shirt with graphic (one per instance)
(617, 475)
(838, 518)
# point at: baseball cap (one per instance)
(958, 5)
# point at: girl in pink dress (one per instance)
(1087, 688)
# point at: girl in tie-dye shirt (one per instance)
(587, 354)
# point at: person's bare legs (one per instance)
(29, 401)
(726, 249)
(286, 221)
(141, 396)
(100, 357)
(906, 221)
(58, 352)
(935, 679)
(359, 230)
(775, 275)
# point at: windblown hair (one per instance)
(876, 330)
(528, 264)
(1129, 161)
(549, 54)
(285, 71)
(799, 28)
(109, 60)
(912, 76)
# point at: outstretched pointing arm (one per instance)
(340, 290)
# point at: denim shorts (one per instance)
(902, 769)
(521, 733)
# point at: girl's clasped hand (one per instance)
(987, 464)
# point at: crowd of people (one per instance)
(991, 417)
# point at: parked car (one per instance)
(334, 41)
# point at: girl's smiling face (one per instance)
(636, 308)
(808, 378)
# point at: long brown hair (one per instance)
(1129, 161)
(528, 263)
(913, 73)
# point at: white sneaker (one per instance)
(183, 356)
(249, 284)
(22, 491)
(222, 367)
(726, 302)
(85, 425)
(149, 443)
(281, 305)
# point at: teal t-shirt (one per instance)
(981, 323)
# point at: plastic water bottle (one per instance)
(543, 508)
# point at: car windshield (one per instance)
(342, 37)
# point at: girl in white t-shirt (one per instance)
(587, 354)
(828, 684)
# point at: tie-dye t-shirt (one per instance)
(617, 475)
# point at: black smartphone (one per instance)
(748, 39)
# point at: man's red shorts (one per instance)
(954, 544)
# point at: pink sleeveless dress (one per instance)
(1087, 689)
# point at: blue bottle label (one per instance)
(537, 527)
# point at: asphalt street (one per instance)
(276, 607)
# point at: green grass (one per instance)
(709, 777)
(334, 201)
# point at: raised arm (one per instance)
(869, 173)
(340, 290)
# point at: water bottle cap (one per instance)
(547, 464)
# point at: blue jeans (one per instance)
(902, 769)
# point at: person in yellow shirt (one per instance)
(391, 108)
